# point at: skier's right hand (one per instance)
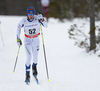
(19, 42)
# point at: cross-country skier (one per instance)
(31, 25)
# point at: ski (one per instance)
(36, 79)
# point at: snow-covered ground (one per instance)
(70, 68)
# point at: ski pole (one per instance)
(44, 52)
(16, 59)
(1, 35)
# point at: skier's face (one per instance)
(31, 16)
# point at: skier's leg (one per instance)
(35, 50)
(28, 57)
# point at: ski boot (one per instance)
(27, 80)
(34, 70)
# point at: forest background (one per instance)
(61, 9)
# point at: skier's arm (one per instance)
(20, 25)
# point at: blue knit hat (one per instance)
(30, 10)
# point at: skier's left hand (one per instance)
(40, 17)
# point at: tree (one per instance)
(92, 24)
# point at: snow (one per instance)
(70, 68)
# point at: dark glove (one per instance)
(19, 42)
(40, 17)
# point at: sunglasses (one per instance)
(31, 14)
